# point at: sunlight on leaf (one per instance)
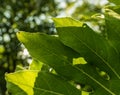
(79, 60)
(97, 51)
(35, 65)
(63, 53)
(68, 20)
(23, 79)
(18, 68)
(85, 93)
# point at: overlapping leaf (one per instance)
(75, 40)
(38, 83)
(97, 50)
(21, 82)
(51, 51)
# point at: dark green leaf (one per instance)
(49, 84)
(51, 51)
(97, 51)
(75, 40)
(113, 31)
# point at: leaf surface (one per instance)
(14, 89)
(113, 31)
(36, 65)
(53, 85)
(50, 51)
(97, 51)
(63, 54)
(22, 80)
(41, 83)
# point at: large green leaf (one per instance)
(33, 83)
(69, 22)
(74, 72)
(91, 45)
(63, 53)
(97, 51)
(23, 81)
(51, 51)
(113, 34)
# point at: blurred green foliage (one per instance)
(24, 15)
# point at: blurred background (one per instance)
(35, 16)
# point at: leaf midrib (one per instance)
(83, 71)
(52, 52)
(89, 77)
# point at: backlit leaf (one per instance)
(33, 83)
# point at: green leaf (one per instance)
(62, 53)
(114, 85)
(53, 85)
(113, 31)
(91, 45)
(21, 80)
(29, 82)
(14, 89)
(97, 51)
(69, 22)
(85, 93)
(18, 67)
(50, 51)
(62, 65)
(36, 65)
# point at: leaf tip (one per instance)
(20, 36)
(67, 22)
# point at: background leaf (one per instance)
(117, 2)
